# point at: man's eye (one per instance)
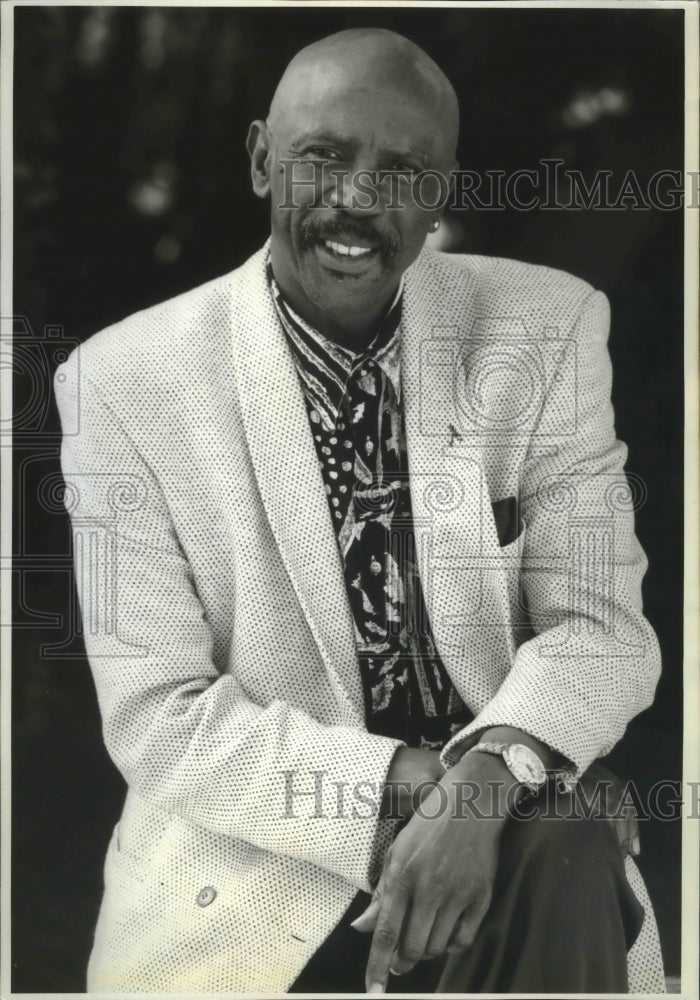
(400, 168)
(322, 153)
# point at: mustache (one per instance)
(316, 231)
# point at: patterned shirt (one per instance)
(356, 418)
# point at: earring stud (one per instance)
(435, 225)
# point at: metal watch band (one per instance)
(488, 747)
(566, 778)
(501, 749)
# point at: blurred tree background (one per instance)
(132, 185)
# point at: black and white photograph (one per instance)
(349, 542)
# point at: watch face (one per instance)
(525, 765)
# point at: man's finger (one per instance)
(635, 849)
(463, 936)
(367, 921)
(469, 922)
(386, 936)
(414, 936)
(631, 841)
(626, 829)
(443, 931)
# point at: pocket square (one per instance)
(506, 514)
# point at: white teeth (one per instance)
(347, 251)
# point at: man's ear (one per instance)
(258, 145)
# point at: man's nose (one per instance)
(356, 190)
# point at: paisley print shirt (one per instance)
(356, 419)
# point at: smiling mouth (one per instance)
(342, 250)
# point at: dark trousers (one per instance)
(561, 920)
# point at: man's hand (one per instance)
(619, 807)
(438, 875)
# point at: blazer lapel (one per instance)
(290, 481)
(460, 562)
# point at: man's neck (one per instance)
(353, 335)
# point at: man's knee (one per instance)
(554, 833)
(563, 868)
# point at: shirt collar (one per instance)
(324, 366)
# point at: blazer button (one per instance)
(206, 895)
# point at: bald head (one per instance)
(375, 61)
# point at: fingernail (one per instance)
(376, 988)
(635, 846)
(394, 972)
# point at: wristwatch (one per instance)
(522, 762)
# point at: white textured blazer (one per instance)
(217, 624)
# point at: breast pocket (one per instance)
(509, 523)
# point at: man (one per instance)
(328, 555)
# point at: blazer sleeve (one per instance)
(593, 661)
(183, 735)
